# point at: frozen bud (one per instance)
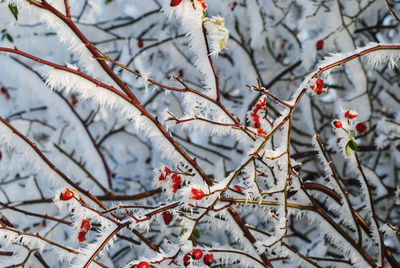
(217, 34)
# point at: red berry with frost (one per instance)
(67, 195)
(319, 88)
(197, 254)
(361, 127)
(174, 3)
(337, 124)
(180, 72)
(197, 194)
(187, 259)
(85, 225)
(140, 43)
(82, 237)
(167, 216)
(350, 114)
(177, 179)
(143, 264)
(208, 259)
(319, 45)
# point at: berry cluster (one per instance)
(319, 88)
(360, 127)
(175, 177)
(196, 254)
(261, 105)
(350, 114)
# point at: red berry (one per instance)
(162, 177)
(238, 188)
(233, 5)
(337, 124)
(261, 132)
(174, 3)
(143, 264)
(319, 82)
(177, 182)
(167, 171)
(203, 4)
(140, 43)
(319, 86)
(180, 72)
(350, 114)
(320, 90)
(167, 216)
(82, 237)
(197, 254)
(4, 91)
(208, 259)
(361, 127)
(319, 45)
(197, 194)
(67, 195)
(187, 259)
(85, 226)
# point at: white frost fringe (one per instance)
(191, 22)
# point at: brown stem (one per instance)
(52, 166)
(104, 243)
(239, 221)
(216, 77)
(67, 8)
(390, 7)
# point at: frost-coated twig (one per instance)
(51, 165)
